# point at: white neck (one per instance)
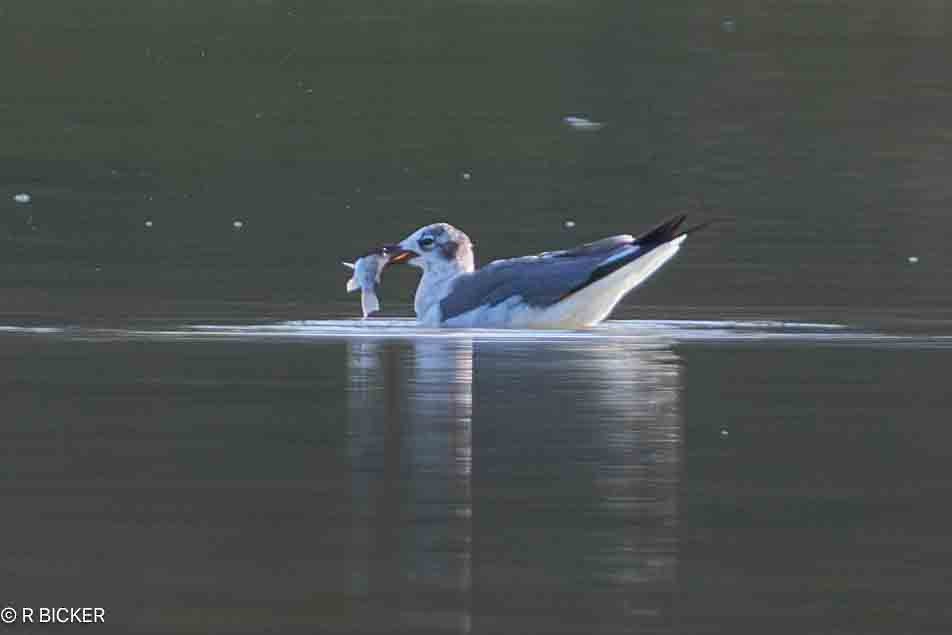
(436, 283)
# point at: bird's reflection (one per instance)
(568, 489)
(411, 451)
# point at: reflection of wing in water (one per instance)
(570, 478)
(640, 437)
(577, 449)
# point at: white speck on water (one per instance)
(569, 224)
(582, 123)
(259, 115)
(22, 197)
(309, 91)
(148, 223)
(238, 224)
(913, 260)
(467, 176)
(729, 24)
(724, 432)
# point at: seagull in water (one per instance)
(568, 289)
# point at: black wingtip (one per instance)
(695, 228)
(665, 232)
(660, 235)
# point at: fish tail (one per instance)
(369, 302)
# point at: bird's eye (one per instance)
(426, 242)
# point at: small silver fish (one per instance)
(366, 278)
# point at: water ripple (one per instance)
(647, 332)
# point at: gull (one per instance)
(567, 289)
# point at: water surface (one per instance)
(663, 477)
(197, 435)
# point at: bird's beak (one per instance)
(398, 254)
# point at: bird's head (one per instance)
(435, 247)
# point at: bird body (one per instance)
(568, 289)
(586, 307)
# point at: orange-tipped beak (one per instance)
(398, 254)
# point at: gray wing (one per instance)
(603, 247)
(540, 280)
(545, 279)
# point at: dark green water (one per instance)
(819, 133)
(641, 477)
(264, 475)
